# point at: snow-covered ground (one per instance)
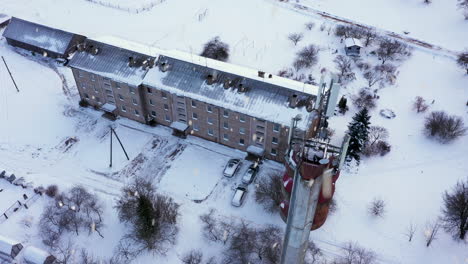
(37, 122)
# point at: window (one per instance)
(241, 142)
(242, 130)
(137, 113)
(132, 90)
(93, 78)
(194, 104)
(168, 119)
(180, 110)
(166, 107)
(121, 97)
(117, 85)
(151, 102)
(135, 102)
(209, 108)
(274, 140)
(242, 118)
(181, 104)
(260, 127)
(96, 90)
(274, 152)
(276, 127)
(225, 113)
(226, 137)
(124, 109)
(196, 127)
(107, 85)
(164, 95)
(225, 125)
(149, 90)
(210, 120)
(83, 86)
(194, 115)
(80, 74)
(153, 113)
(86, 96)
(109, 92)
(210, 131)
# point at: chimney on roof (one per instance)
(131, 61)
(241, 88)
(270, 75)
(211, 78)
(293, 100)
(227, 83)
(164, 66)
(80, 47)
(261, 74)
(95, 51)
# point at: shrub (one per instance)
(295, 37)
(455, 210)
(51, 190)
(193, 257)
(377, 208)
(342, 105)
(462, 59)
(392, 50)
(310, 25)
(216, 49)
(420, 104)
(445, 128)
(83, 103)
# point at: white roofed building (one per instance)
(353, 47)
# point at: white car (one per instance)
(232, 167)
(250, 174)
(239, 195)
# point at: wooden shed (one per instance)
(353, 47)
(9, 248)
(47, 41)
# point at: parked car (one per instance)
(232, 167)
(239, 195)
(250, 174)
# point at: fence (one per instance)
(142, 7)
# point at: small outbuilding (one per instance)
(9, 248)
(33, 255)
(49, 42)
(353, 47)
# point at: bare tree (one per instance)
(462, 59)
(349, 31)
(310, 25)
(443, 127)
(392, 50)
(242, 245)
(369, 36)
(65, 252)
(344, 67)
(216, 49)
(364, 99)
(420, 104)
(152, 218)
(193, 257)
(306, 58)
(51, 190)
(268, 192)
(268, 244)
(372, 76)
(314, 254)
(387, 73)
(410, 231)
(455, 210)
(427, 1)
(355, 254)
(213, 229)
(295, 37)
(432, 228)
(376, 142)
(377, 133)
(377, 207)
(211, 260)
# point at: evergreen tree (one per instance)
(358, 130)
(342, 105)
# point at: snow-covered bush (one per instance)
(51, 190)
(376, 143)
(268, 192)
(445, 128)
(151, 217)
(286, 73)
(365, 99)
(306, 58)
(349, 31)
(216, 49)
(193, 257)
(455, 210)
(462, 59)
(295, 38)
(344, 66)
(377, 207)
(392, 50)
(420, 104)
(214, 229)
(387, 73)
(342, 105)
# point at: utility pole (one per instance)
(110, 164)
(112, 131)
(11, 76)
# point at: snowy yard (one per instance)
(38, 121)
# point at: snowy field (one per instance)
(411, 178)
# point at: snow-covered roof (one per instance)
(129, 45)
(111, 61)
(179, 126)
(4, 18)
(6, 245)
(35, 255)
(51, 39)
(262, 99)
(108, 107)
(349, 42)
(256, 150)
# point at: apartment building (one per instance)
(238, 107)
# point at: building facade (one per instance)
(237, 107)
